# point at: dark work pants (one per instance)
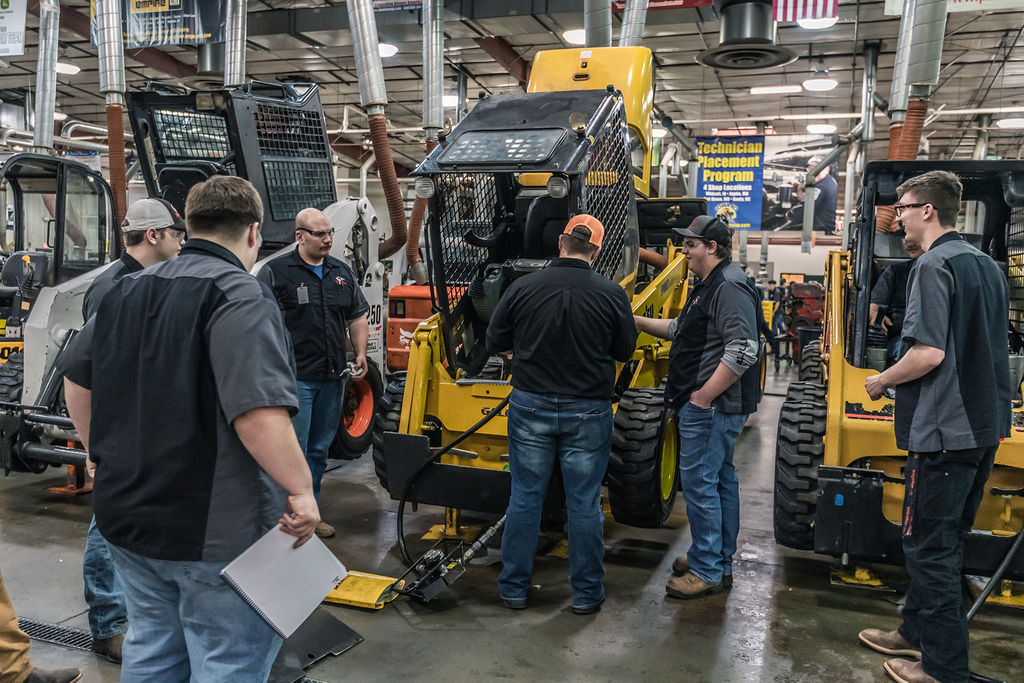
(943, 492)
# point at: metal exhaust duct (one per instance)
(746, 39)
(433, 63)
(633, 19)
(46, 75)
(234, 49)
(867, 91)
(112, 85)
(597, 22)
(373, 97)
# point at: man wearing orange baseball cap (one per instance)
(567, 326)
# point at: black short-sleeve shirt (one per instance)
(317, 311)
(173, 355)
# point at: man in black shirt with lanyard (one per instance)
(153, 233)
(320, 299)
(715, 342)
(568, 327)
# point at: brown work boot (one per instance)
(888, 643)
(58, 676)
(680, 566)
(109, 647)
(906, 671)
(324, 530)
(689, 585)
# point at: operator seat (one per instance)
(545, 219)
(13, 274)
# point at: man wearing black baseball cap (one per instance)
(153, 232)
(714, 343)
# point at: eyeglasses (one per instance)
(900, 208)
(319, 234)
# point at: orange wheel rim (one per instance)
(358, 407)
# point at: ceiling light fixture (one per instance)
(774, 89)
(820, 80)
(575, 36)
(67, 68)
(813, 24)
(59, 116)
(449, 101)
(821, 128)
(1012, 122)
(387, 50)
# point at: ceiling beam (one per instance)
(503, 53)
(78, 23)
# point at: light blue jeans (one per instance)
(108, 616)
(316, 423)
(576, 433)
(710, 487)
(186, 623)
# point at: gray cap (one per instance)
(152, 213)
(707, 228)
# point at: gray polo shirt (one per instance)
(957, 301)
(173, 355)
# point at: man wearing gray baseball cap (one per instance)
(153, 232)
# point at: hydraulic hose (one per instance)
(389, 180)
(423, 466)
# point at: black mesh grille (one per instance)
(288, 132)
(608, 194)
(56, 635)
(466, 202)
(294, 185)
(189, 135)
(1015, 263)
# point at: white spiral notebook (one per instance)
(284, 584)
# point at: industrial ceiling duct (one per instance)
(209, 68)
(746, 39)
(46, 75)
(112, 84)
(597, 22)
(234, 48)
(633, 19)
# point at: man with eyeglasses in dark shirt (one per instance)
(320, 299)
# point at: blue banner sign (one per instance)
(730, 176)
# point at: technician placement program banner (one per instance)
(730, 171)
(151, 23)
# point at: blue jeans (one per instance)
(316, 423)
(186, 623)
(577, 434)
(708, 481)
(108, 616)
(942, 496)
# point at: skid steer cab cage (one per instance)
(183, 139)
(502, 187)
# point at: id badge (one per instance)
(302, 293)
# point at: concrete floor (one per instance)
(781, 622)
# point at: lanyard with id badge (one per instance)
(302, 293)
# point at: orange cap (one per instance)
(586, 228)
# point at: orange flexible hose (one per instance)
(389, 180)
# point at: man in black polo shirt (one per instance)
(153, 232)
(180, 387)
(715, 340)
(953, 399)
(320, 298)
(567, 326)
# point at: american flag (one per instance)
(791, 10)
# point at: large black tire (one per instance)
(358, 409)
(387, 419)
(810, 362)
(799, 451)
(805, 392)
(643, 468)
(12, 377)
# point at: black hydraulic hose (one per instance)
(412, 480)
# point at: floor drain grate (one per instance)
(56, 635)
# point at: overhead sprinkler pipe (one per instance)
(633, 19)
(597, 22)
(235, 31)
(112, 85)
(918, 58)
(373, 97)
(46, 75)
